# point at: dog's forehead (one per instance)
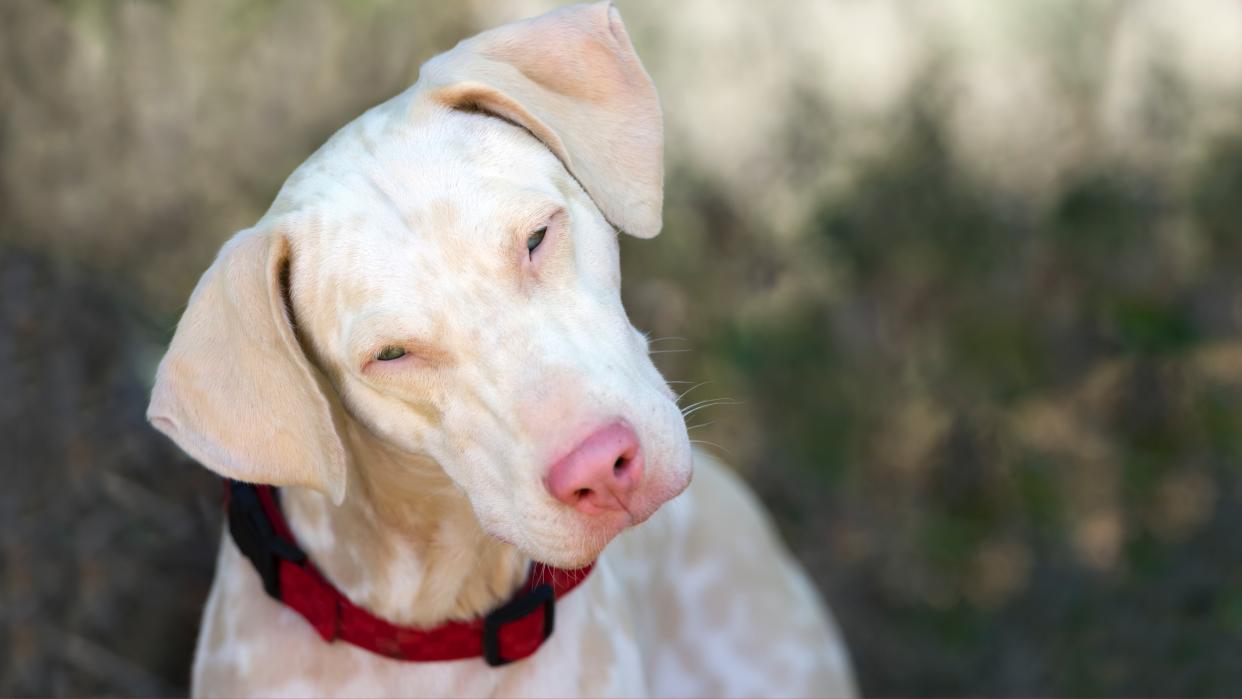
(421, 180)
(394, 209)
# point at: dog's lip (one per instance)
(650, 508)
(661, 497)
(609, 526)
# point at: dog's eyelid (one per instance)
(541, 234)
(401, 353)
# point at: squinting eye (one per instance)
(535, 239)
(390, 353)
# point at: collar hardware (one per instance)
(255, 536)
(518, 610)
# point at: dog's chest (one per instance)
(251, 645)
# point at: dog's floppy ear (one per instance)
(572, 79)
(235, 390)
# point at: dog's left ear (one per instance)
(235, 390)
(570, 77)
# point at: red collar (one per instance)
(511, 632)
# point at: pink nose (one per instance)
(601, 473)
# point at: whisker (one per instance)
(695, 405)
(702, 406)
(697, 385)
(669, 337)
(704, 441)
(706, 403)
(667, 351)
(701, 424)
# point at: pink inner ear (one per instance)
(473, 97)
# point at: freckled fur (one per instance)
(417, 485)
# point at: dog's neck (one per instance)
(404, 544)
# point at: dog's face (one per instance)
(467, 307)
(451, 264)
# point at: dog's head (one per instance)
(442, 276)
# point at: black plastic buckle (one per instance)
(520, 608)
(254, 535)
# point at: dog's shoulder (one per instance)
(712, 582)
(717, 508)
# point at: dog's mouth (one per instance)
(589, 541)
(591, 534)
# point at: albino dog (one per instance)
(423, 344)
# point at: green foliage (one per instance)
(1077, 457)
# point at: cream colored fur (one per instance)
(416, 484)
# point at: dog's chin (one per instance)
(589, 539)
(566, 555)
(566, 561)
(594, 533)
(590, 536)
(591, 533)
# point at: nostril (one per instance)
(600, 473)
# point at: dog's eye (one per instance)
(390, 353)
(535, 239)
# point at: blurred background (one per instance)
(970, 272)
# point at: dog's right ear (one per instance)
(235, 390)
(572, 79)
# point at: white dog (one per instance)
(423, 344)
